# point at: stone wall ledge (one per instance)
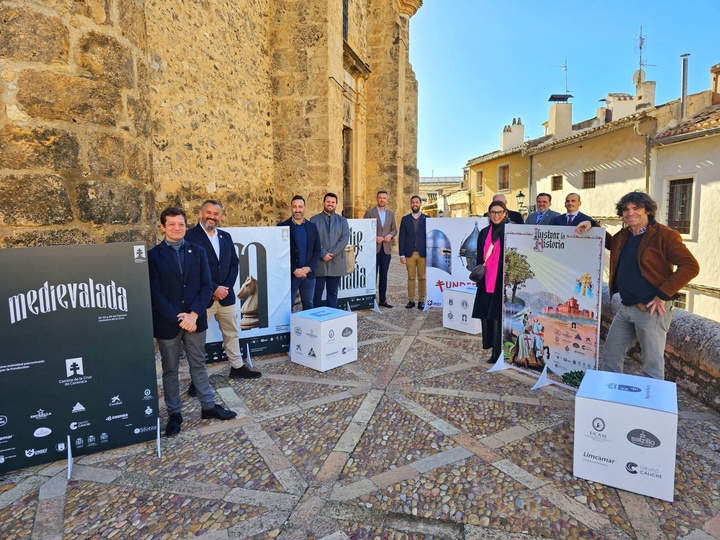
(692, 351)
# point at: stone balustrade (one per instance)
(692, 352)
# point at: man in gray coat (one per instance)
(543, 215)
(334, 233)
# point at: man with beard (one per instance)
(334, 233)
(223, 260)
(304, 253)
(180, 289)
(413, 251)
(386, 230)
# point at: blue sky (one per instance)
(481, 63)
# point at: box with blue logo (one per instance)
(457, 309)
(626, 433)
(323, 338)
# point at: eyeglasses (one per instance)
(497, 212)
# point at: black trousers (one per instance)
(492, 336)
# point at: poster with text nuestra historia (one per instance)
(76, 352)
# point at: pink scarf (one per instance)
(492, 263)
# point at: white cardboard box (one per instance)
(323, 338)
(626, 433)
(457, 309)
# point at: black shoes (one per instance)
(244, 373)
(421, 305)
(409, 305)
(384, 304)
(218, 412)
(176, 419)
(173, 425)
(192, 391)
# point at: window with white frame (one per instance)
(681, 301)
(679, 204)
(479, 181)
(504, 178)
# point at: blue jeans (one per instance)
(333, 284)
(632, 324)
(306, 286)
(194, 343)
(382, 260)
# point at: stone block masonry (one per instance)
(74, 123)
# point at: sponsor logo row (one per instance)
(639, 437)
(346, 332)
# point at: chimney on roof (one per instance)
(645, 95)
(560, 120)
(715, 83)
(683, 98)
(513, 135)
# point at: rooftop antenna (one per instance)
(564, 67)
(639, 75)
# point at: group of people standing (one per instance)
(317, 248)
(193, 273)
(192, 278)
(649, 264)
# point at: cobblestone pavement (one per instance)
(414, 440)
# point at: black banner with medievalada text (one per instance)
(76, 352)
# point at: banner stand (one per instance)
(376, 308)
(543, 380)
(158, 438)
(70, 458)
(249, 360)
(499, 364)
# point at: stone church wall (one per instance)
(111, 110)
(74, 123)
(211, 102)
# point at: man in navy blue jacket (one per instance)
(573, 216)
(413, 251)
(223, 260)
(304, 253)
(180, 289)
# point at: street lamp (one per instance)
(520, 199)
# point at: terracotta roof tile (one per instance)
(707, 119)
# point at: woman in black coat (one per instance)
(488, 299)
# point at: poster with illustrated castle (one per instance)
(553, 296)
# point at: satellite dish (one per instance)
(638, 77)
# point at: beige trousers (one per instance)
(226, 317)
(416, 270)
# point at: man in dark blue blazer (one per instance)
(573, 216)
(223, 260)
(304, 253)
(180, 289)
(413, 251)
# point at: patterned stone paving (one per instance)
(413, 441)
(99, 512)
(307, 438)
(394, 437)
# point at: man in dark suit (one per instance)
(223, 260)
(304, 253)
(180, 289)
(543, 215)
(413, 251)
(386, 230)
(512, 215)
(573, 216)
